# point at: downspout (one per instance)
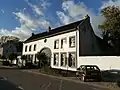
(76, 48)
(78, 42)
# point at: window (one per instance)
(56, 59)
(92, 68)
(35, 58)
(25, 48)
(56, 44)
(72, 59)
(63, 59)
(72, 41)
(28, 57)
(30, 47)
(34, 47)
(31, 58)
(63, 42)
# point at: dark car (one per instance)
(85, 72)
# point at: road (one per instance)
(15, 79)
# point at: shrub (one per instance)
(42, 57)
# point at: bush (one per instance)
(57, 72)
(42, 57)
(48, 70)
(11, 56)
(6, 63)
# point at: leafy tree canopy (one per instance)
(111, 27)
(23, 57)
(3, 57)
(42, 57)
(12, 56)
(112, 19)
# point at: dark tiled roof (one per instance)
(63, 29)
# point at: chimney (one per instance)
(49, 28)
(33, 34)
(87, 17)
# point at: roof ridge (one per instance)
(67, 28)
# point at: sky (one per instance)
(21, 18)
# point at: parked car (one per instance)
(85, 72)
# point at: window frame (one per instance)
(70, 41)
(57, 63)
(55, 44)
(35, 57)
(72, 61)
(34, 49)
(26, 48)
(65, 62)
(30, 47)
(62, 44)
(31, 57)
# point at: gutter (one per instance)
(51, 35)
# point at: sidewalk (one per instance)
(107, 85)
(8, 66)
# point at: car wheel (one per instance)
(83, 78)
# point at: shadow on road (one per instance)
(15, 68)
(111, 76)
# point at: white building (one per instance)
(66, 46)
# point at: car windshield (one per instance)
(92, 68)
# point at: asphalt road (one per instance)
(15, 79)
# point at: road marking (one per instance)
(3, 78)
(20, 87)
(48, 86)
(41, 86)
(96, 89)
(60, 87)
(64, 78)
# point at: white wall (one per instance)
(104, 62)
(50, 44)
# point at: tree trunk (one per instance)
(11, 63)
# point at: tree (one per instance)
(3, 57)
(23, 57)
(12, 56)
(42, 57)
(111, 27)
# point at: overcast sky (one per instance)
(22, 17)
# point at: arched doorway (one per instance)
(48, 53)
